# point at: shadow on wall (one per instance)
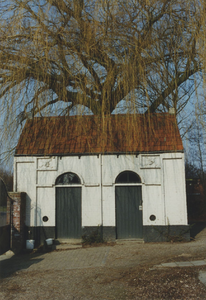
(28, 210)
(196, 228)
(4, 238)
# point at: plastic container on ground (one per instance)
(30, 244)
(49, 242)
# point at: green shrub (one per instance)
(95, 237)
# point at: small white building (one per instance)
(124, 174)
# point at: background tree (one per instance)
(96, 53)
(197, 150)
(61, 55)
(7, 178)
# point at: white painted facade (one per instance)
(162, 179)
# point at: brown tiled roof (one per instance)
(90, 134)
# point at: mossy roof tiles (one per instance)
(92, 134)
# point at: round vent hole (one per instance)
(152, 218)
(45, 219)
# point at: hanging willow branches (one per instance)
(66, 53)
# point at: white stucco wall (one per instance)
(25, 181)
(162, 176)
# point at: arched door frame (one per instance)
(70, 184)
(129, 209)
(68, 199)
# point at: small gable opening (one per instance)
(68, 178)
(128, 177)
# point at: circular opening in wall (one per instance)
(45, 219)
(152, 218)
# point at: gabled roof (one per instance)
(92, 134)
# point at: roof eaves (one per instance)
(102, 153)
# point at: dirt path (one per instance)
(124, 271)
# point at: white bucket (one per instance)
(49, 242)
(30, 244)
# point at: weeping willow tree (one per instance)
(100, 55)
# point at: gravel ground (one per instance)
(127, 273)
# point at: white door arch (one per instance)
(68, 206)
(128, 205)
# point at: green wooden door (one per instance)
(68, 212)
(128, 212)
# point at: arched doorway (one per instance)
(68, 206)
(128, 198)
